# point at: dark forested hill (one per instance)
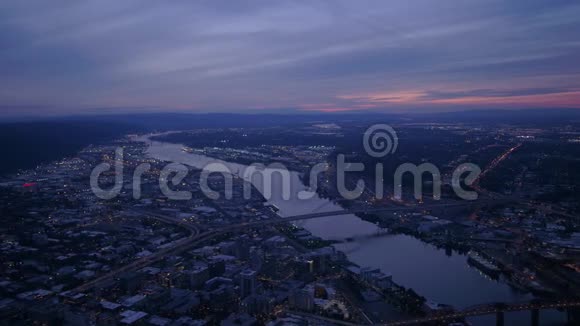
(26, 144)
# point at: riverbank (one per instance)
(440, 276)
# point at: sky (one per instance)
(109, 56)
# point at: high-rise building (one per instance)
(256, 258)
(257, 304)
(196, 277)
(248, 282)
(301, 299)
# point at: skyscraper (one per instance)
(248, 282)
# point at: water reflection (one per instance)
(429, 271)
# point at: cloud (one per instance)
(523, 97)
(219, 55)
(436, 95)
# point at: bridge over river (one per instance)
(572, 308)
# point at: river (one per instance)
(412, 263)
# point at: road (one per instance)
(196, 238)
(193, 238)
(495, 163)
